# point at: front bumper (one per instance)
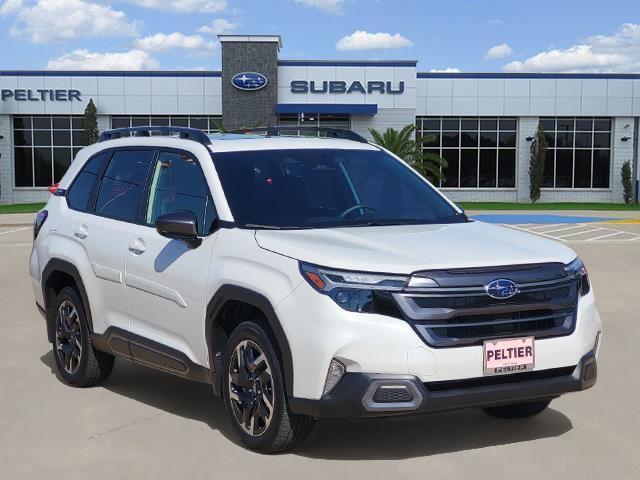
(355, 395)
(318, 331)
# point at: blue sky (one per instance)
(470, 36)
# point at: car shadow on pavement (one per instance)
(373, 439)
(174, 395)
(398, 438)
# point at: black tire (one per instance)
(518, 410)
(92, 367)
(285, 429)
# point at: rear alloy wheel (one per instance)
(254, 393)
(68, 342)
(78, 363)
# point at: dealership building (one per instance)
(481, 123)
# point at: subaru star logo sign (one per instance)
(502, 289)
(249, 81)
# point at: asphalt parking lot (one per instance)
(144, 424)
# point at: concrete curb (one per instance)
(16, 219)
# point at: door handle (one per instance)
(81, 232)
(137, 246)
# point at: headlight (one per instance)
(355, 291)
(577, 269)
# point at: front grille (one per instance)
(482, 300)
(503, 326)
(461, 313)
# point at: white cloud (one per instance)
(82, 59)
(161, 42)
(10, 6)
(445, 70)
(331, 6)
(579, 58)
(220, 26)
(361, 40)
(185, 6)
(495, 21)
(62, 20)
(619, 52)
(499, 51)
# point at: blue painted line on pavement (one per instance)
(524, 218)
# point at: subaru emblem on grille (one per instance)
(502, 289)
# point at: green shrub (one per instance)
(627, 182)
(536, 167)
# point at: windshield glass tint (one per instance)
(325, 188)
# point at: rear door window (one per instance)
(79, 194)
(123, 183)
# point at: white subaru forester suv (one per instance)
(302, 277)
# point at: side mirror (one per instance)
(181, 225)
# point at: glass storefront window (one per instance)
(579, 154)
(44, 146)
(327, 120)
(207, 123)
(480, 151)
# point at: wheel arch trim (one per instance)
(228, 293)
(64, 266)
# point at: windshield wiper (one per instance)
(258, 226)
(386, 223)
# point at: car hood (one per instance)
(410, 248)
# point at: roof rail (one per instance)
(327, 131)
(183, 132)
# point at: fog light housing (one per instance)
(334, 374)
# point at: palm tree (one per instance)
(402, 143)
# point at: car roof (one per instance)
(245, 143)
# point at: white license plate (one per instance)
(509, 355)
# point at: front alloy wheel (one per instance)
(254, 391)
(251, 388)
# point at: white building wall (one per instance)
(478, 195)
(156, 94)
(622, 152)
(445, 94)
(528, 99)
(120, 95)
(6, 160)
(386, 118)
(30, 195)
(432, 94)
(104, 122)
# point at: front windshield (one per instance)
(321, 188)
